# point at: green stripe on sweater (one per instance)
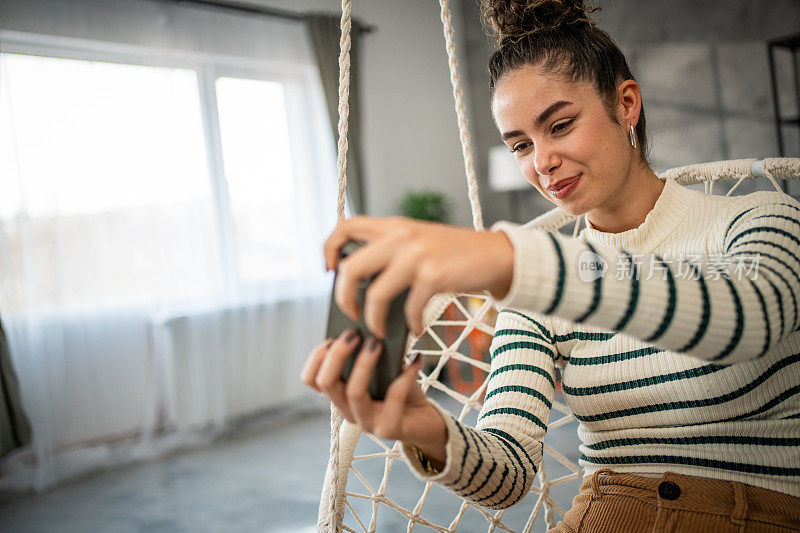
(785, 395)
(502, 437)
(795, 312)
(499, 486)
(739, 330)
(790, 219)
(760, 253)
(477, 467)
(768, 335)
(696, 440)
(634, 297)
(768, 470)
(670, 312)
(561, 275)
(764, 229)
(597, 290)
(506, 437)
(737, 217)
(524, 332)
(702, 327)
(485, 481)
(645, 382)
(523, 345)
(514, 411)
(614, 357)
(544, 330)
(691, 404)
(522, 390)
(584, 336)
(520, 366)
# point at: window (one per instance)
(258, 170)
(126, 184)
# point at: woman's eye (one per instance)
(560, 127)
(520, 146)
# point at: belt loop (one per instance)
(739, 513)
(596, 491)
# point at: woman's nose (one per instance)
(545, 161)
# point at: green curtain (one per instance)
(15, 431)
(324, 31)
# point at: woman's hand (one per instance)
(428, 257)
(405, 414)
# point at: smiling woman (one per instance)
(687, 383)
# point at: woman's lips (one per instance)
(567, 189)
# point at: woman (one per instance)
(679, 358)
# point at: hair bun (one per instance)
(515, 19)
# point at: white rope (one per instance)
(463, 128)
(330, 517)
(344, 105)
(771, 168)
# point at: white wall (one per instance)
(410, 134)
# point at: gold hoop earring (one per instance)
(633, 137)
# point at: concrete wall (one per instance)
(704, 75)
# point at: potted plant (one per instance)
(425, 204)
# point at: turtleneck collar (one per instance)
(669, 210)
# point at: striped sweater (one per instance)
(678, 345)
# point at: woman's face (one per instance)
(560, 132)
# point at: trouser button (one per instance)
(669, 490)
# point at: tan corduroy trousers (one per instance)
(626, 503)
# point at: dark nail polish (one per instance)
(415, 358)
(372, 344)
(351, 335)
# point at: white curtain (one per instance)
(160, 250)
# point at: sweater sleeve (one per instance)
(729, 308)
(493, 465)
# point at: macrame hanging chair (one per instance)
(470, 314)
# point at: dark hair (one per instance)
(559, 36)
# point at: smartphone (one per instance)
(390, 362)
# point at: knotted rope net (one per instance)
(457, 328)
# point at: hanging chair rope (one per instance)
(331, 504)
(463, 127)
(771, 168)
(344, 106)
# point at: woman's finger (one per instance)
(357, 389)
(309, 373)
(329, 377)
(422, 290)
(384, 288)
(388, 423)
(357, 228)
(363, 263)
